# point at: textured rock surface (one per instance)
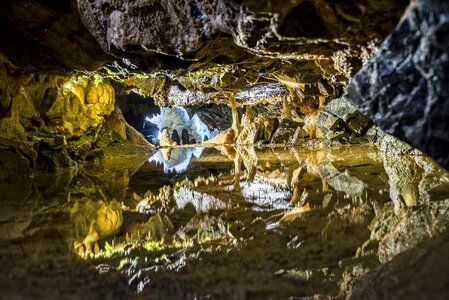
(285, 132)
(183, 53)
(54, 120)
(340, 120)
(213, 48)
(47, 36)
(404, 86)
(409, 274)
(174, 27)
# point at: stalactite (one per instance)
(235, 115)
(286, 103)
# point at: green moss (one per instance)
(153, 246)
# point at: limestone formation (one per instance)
(166, 140)
(340, 120)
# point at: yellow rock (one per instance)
(82, 104)
(166, 153)
(269, 127)
(229, 137)
(166, 140)
(94, 220)
(226, 137)
(295, 213)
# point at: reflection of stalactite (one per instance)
(295, 153)
(289, 175)
(296, 195)
(294, 182)
(405, 177)
(249, 157)
(230, 152)
(325, 185)
(237, 173)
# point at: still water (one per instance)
(236, 223)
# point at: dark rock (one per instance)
(410, 273)
(172, 29)
(50, 160)
(285, 131)
(47, 36)
(404, 86)
(175, 137)
(13, 164)
(340, 120)
(185, 137)
(214, 116)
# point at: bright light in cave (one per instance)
(177, 118)
(179, 159)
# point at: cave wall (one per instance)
(403, 88)
(47, 37)
(62, 63)
(52, 121)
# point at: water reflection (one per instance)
(214, 210)
(176, 160)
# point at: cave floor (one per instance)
(231, 223)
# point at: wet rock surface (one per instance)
(287, 221)
(402, 88)
(341, 121)
(54, 121)
(398, 278)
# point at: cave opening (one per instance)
(184, 125)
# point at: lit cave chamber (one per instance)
(224, 149)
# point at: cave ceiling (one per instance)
(203, 50)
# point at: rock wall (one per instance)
(51, 121)
(211, 49)
(270, 53)
(47, 36)
(404, 86)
